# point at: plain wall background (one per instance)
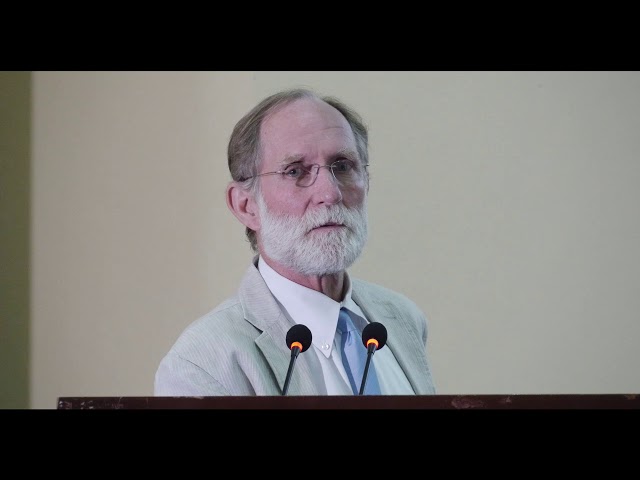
(504, 203)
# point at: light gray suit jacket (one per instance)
(240, 349)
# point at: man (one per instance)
(300, 183)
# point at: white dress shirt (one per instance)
(320, 314)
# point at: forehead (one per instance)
(306, 126)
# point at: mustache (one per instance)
(333, 215)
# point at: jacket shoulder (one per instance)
(374, 291)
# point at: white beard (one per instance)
(289, 241)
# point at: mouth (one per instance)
(329, 226)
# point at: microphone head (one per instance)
(299, 333)
(376, 331)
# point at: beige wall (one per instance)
(504, 203)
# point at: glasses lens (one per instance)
(343, 171)
(307, 176)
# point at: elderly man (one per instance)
(299, 164)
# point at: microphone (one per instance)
(374, 337)
(298, 340)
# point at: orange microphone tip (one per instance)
(374, 341)
(296, 344)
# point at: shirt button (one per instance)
(325, 346)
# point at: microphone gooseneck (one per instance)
(374, 337)
(298, 340)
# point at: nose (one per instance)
(325, 187)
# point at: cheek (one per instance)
(354, 196)
(284, 203)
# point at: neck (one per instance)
(331, 285)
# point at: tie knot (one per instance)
(344, 322)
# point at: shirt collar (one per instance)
(309, 307)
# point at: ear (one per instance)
(242, 204)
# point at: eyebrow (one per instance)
(289, 159)
(298, 157)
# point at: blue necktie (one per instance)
(354, 356)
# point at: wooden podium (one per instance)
(376, 402)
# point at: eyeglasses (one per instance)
(344, 171)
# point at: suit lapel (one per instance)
(263, 311)
(402, 338)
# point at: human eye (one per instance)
(342, 166)
(294, 171)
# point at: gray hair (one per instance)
(244, 150)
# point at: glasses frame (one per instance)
(310, 169)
